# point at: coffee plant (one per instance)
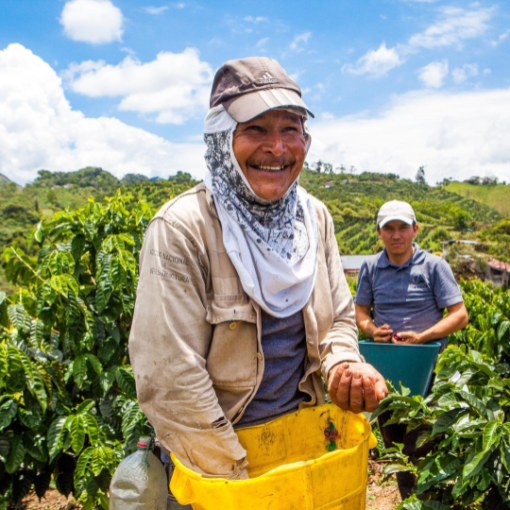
(468, 413)
(68, 408)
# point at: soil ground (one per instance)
(381, 495)
(52, 500)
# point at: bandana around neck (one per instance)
(272, 244)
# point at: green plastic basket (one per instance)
(412, 365)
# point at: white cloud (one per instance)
(501, 38)
(155, 10)
(262, 42)
(301, 38)
(38, 129)
(454, 26)
(433, 74)
(253, 19)
(179, 5)
(375, 62)
(295, 75)
(455, 135)
(92, 21)
(461, 74)
(129, 51)
(171, 89)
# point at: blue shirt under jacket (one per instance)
(284, 348)
(411, 297)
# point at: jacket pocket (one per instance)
(227, 308)
(232, 359)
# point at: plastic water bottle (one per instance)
(140, 482)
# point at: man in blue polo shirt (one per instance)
(407, 290)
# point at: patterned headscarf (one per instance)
(272, 244)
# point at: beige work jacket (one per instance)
(195, 342)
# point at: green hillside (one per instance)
(353, 200)
(496, 196)
(21, 208)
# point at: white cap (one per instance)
(395, 210)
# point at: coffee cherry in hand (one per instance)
(397, 337)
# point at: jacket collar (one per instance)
(417, 258)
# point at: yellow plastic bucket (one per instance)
(291, 466)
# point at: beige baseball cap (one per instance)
(250, 86)
(395, 210)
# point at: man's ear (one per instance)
(416, 227)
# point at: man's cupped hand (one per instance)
(356, 387)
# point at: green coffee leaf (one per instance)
(126, 381)
(490, 435)
(474, 466)
(85, 406)
(7, 412)
(16, 454)
(56, 436)
(79, 370)
(503, 327)
(95, 363)
(77, 429)
(83, 462)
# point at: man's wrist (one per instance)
(370, 329)
(422, 337)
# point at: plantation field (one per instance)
(497, 197)
(68, 407)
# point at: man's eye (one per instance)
(254, 128)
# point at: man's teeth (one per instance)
(270, 168)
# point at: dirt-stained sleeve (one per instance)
(341, 343)
(168, 346)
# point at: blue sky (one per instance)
(394, 84)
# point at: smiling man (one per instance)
(401, 297)
(242, 301)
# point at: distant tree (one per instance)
(328, 168)
(462, 220)
(440, 234)
(181, 177)
(89, 177)
(340, 169)
(132, 178)
(420, 176)
(318, 166)
(473, 180)
(51, 197)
